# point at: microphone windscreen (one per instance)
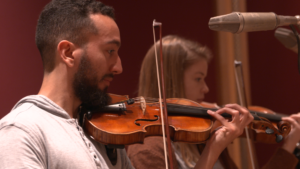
(228, 23)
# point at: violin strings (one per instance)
(254, 113)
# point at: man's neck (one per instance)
(60, 91)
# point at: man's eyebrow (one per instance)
(116, 42)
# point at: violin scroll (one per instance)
(284, 127)
(268, 131)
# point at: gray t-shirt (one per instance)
(38, 133)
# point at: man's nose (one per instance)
(117, 67)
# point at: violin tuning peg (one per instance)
(269, 131)
(279, 138)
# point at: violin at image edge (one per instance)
(131, 120)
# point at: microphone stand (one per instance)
(298, 42)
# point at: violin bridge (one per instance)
(143, 104)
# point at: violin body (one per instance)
(141, 119)
(133, 125)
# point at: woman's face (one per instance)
(194, 80)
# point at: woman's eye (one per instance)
(198, 79)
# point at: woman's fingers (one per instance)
(295, 121)
(245, 116)
(218, 117)
(296, 117)
(233, 126)
(294, 136)
(291, 120)
(240, 117)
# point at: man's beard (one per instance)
(86, 88)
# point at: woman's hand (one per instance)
(294, 136)
(241, 117)
(225, 134)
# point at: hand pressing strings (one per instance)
(230, 130)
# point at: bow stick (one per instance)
(163, 110)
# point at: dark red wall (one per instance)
(274, 76)
(21, 69)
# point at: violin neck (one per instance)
(271, 117)
(180, 110)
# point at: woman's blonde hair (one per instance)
(178, 54)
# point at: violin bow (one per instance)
(163, 110)
(243, 102)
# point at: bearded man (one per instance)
(78, 42)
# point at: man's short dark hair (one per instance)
(66, 20)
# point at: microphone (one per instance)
(287, 38)
(237, 22)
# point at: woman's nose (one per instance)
(205, 88)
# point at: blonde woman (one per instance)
(185, 67)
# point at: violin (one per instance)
(128, 121)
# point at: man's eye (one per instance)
(110, 51)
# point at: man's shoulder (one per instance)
(25, 116)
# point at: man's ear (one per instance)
(65, 51)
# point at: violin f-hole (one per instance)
(138, 124)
